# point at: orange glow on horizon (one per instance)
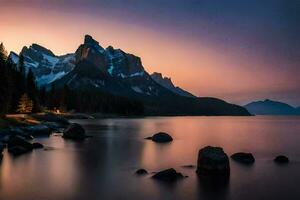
(202, 68)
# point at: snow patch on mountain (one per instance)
(51, 60)
(137, 89)
(44, 64)
(49, 78)
(132, 75)
(14, 57)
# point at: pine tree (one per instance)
(32, 90)
(5, 93)
(3, 54)
(21, 67)
(25, 104)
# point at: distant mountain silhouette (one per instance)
(269, 107)
(95, 69)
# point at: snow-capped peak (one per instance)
(46, 66)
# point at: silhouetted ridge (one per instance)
(96, 70)
(269, 107)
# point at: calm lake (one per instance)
(103, 167)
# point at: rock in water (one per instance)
(161, 137)
(188, 166)
(213, 162)
(245, 158)
(18, 150)
(168, 175)
(37, 145)
(75, 132)
(18, 141)
(141, 172)
(281, 159)
(17, 145)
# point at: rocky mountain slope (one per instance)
(167, 83)
(95, 69)
(46, 66)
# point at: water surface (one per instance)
(103, 167)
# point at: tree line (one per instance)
(19, 93)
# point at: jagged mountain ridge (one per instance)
(114, 64)
(93, 68)
(269, 107)
(46, 66)
(111, 70)
(167, 83)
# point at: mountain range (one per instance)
(94, 68)
(269, 107)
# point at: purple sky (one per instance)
(240, 50)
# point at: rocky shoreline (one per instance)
(19, 137)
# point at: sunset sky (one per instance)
(236, 50)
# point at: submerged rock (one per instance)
(141, 172)
(188, 166)
(245, 158)
(75, 132)
(281, 159)
(37, 145)
(213, 162)
(18, 150)
(168, 175)
(161, 137)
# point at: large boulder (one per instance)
(18, 145)
(281, 159)
(75, 132)
(213, 162)
(161, 137)
(245, 158)
(168, 175)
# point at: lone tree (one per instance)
(25, 104)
